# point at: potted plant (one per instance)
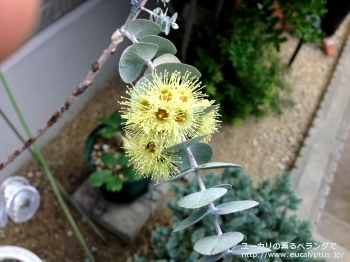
(112, 173)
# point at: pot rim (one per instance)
(20, 253)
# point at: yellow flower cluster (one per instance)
(161, 113)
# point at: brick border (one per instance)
(318, 159)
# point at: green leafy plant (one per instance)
(243, 73)
(111, 125)
(267, 224)
(304, 16)
(111, 162)
(237, 54)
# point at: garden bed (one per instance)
(265, 147)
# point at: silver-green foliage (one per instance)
(194, 154)
(268, 222)
(164, 21)
(134, 58)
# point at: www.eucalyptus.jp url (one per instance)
(339, 255)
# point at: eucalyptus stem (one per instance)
(46, 170)
(202, 187)
(217, 227)
(135, 10)
(216, 222)
(150, 65)
(196, 172)
(148, 11)
(128, 35)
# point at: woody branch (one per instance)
(95, 67)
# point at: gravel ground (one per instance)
(265, 147)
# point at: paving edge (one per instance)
(318, 159)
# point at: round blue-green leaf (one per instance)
(192, 219)
(166, 59)
(142, 27)
(227, 186)
(213, 165)
(202, 198)
(210, 108)
(234, 206)
(248, 249)
(134, 58)
(138, 53)
(165, 46)
(185, 144)
(212, 258)
(202, 154)
(163, 59)
(176, 67)
(217, 244)
(177, 176)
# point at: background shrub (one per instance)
(237, 54)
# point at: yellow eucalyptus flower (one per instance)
(209, 122)
(168, 104)
(147, 158)
(159, 114)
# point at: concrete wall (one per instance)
(44, 72)
(52, 10)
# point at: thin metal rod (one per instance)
(296, 51)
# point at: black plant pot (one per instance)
(130, 191)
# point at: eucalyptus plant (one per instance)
(168, 124)
(270, 222)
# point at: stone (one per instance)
(17, 230)
(281, 166)
(124, 220)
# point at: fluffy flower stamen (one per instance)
(158, 114)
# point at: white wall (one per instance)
(44, 72)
